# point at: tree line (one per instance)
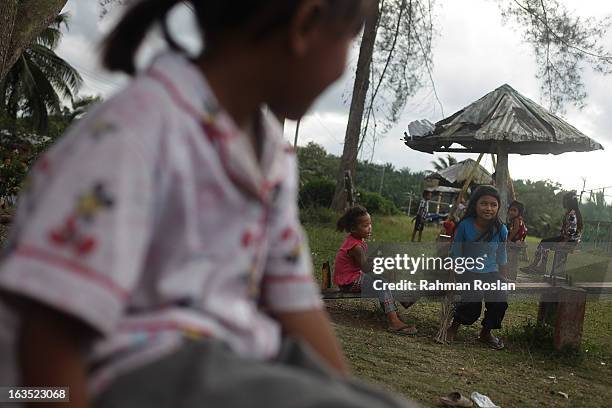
(387, 190)
(381, 187)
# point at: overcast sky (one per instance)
(474, 54)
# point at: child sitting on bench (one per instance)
(571, 231)
(351, 260)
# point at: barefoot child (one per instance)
(480, 234)
(351, 261)
(157, 256)
(421, 216)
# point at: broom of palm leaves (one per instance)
(446, 312)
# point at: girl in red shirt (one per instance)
(351, 260)
(517, 230)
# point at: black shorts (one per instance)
(419, 224)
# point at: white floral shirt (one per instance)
(152, 220)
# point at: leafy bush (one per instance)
(318, 215)
(317, 193)
(377, 204)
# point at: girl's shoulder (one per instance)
(503, 230)
(463, 227)
(466, 223)
(350, 242)
(136, 113)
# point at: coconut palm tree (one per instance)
(441, 163)
(39, 81)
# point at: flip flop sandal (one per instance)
(455, 399)
(495, 342)
(404, 331)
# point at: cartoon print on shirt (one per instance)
(294, 255)
(211, 109)
(74, 230)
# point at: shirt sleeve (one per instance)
(355, 243)
(501, 255)
(288, 284)
(80, 235)
(423, 209)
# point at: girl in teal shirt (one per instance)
(481, 234)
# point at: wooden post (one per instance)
(297, 130)
(570, 318)
(501, 180)
(409, 203)
(325, 276)
(547, 308)
(512, 195)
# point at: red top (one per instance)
(449, 227)
(522, 230)
(346, 270)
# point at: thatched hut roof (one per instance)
(507, 117)
(458, 173)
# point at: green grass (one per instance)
(518, 376)
(325, 241)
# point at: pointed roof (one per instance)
(504, 116)
(459, 172)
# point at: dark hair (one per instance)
(496, 226)
(425, 192)
(349, 220)
(570, 202)
(518, 205)
(217, 19)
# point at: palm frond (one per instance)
(65, 78)
(450, 160)
(49, 37)
(38, 93)
(36, 83)
(62, 18)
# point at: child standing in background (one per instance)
(351, 260)
(157, 257)
(517, 231)
(421, 216)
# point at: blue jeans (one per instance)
(366, 280)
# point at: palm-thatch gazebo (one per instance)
(501, 122)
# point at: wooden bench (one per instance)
(561, 306)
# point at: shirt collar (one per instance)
(191, 92)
